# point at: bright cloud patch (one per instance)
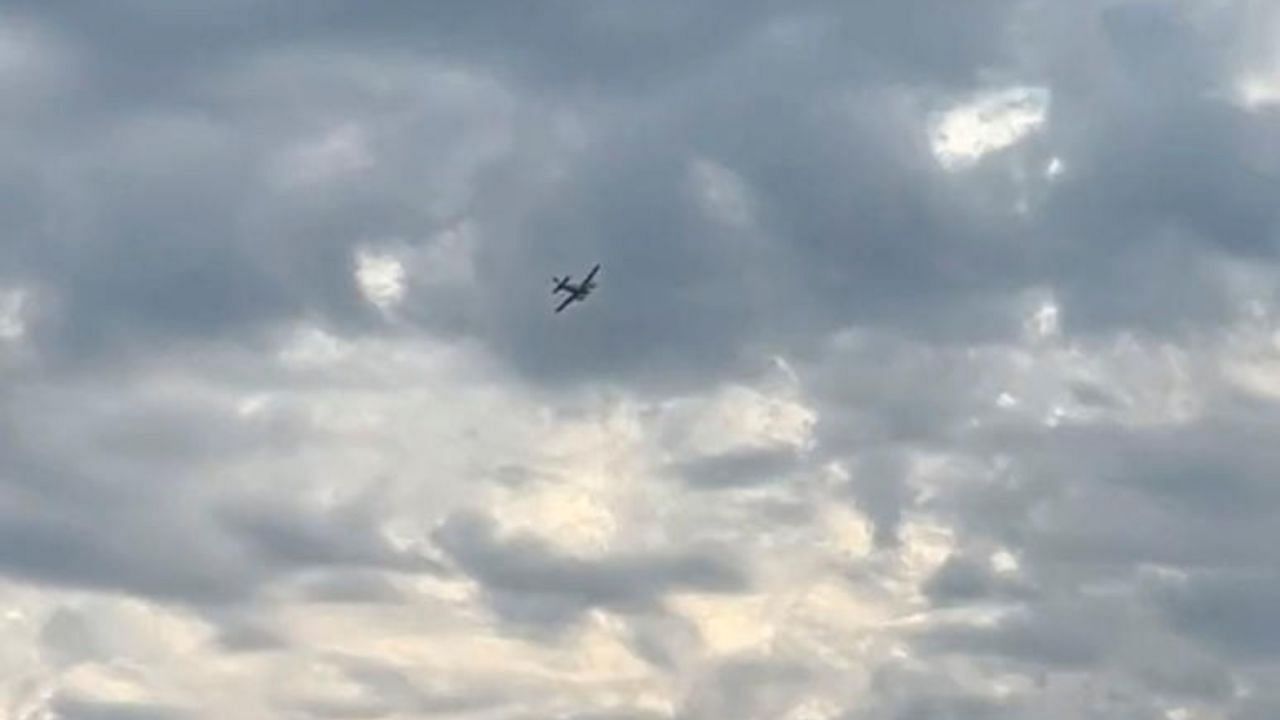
(13, 323)
(1257, 84)
(381, 278)
(1257, 92)
(993, 121)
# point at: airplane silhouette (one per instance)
(576, 292)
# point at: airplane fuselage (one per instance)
(577, 292)
(579, 289)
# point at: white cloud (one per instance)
(1256, 85)
(739, 417)
(381, 278)
(1258, 92)
(992, 121)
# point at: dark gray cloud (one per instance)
(351, 587)
(1228, 611)
(664, 640)
(746, 689)
(856, 222)
(738, 468)
(246, 636)
(109, 496)
(528, 580)
(1187, 496)
(1065, 635)
(199, 266)
(616, 715)
(348, 535)
(879, 489)
(182, 183)
(963, 579)
(69, 707)
(912, 695)
(169, 549)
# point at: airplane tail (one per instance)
(559, 283)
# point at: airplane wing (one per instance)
(592, 274)
(566, 302)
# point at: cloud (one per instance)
(346, 536)
(746, 689)
(79, 709)
(1226, 611)
(1071, 636)
(964, 579)
(747, 467)
(383, 689)
(530, 581)
(932, 370)
(963, 135)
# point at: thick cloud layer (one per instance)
(932, 372)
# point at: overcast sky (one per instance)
(933, 372)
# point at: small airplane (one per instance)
(576, 292)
